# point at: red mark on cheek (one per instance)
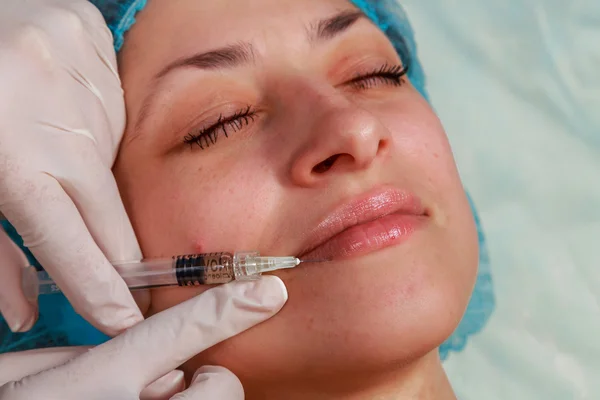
(436, 155)
(198, 246)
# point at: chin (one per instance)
(356, 317)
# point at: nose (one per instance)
(342, 139)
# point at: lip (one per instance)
(367, 223)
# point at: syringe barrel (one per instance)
(187, 270)
(204, 269)
(147, 273)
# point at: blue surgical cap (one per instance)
(387, 14)
(119, 16)
(59, 325)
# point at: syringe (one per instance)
(187, 270)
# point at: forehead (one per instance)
(173, 27)
(167, 30)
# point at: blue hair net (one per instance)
(59, 325)
(119, 16)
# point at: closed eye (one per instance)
(208, 136)
(386, 74)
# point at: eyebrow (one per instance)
(229, 56)
(329, 28)
(242, 53)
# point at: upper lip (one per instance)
(364, 208)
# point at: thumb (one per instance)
(211, 382)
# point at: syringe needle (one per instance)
(314, 261)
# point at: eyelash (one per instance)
(206, 137)
(386, 74)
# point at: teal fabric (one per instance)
(59, 325)
(119, 16)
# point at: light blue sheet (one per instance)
(517, 86)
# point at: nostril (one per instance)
(326, 165)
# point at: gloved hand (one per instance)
(122, 367)
(62, 116)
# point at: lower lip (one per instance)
(362, 239)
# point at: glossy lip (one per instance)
(388, 215)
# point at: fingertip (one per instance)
(20, 315)
(110, 307)
(207, 371)
(278, 282)
(113, 322)
(218, 382)
(165, 387)
(130, 321)
(14, 323)
(135, 319)
(267, 294)
(30, 321)
(274, 291)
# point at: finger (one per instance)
(54, 231)
(16, 366)
(19, 313)
(211, 382)
(165, 387)
(94, 192)
(96, 196)
(166, 340)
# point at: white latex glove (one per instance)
(124, 366)
(19, 311)
(62, 116)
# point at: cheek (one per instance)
(423, 154)
(419, 136)
(199, 209)
(196, 210)
(420, 140)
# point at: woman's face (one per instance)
(273, 125)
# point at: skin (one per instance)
(361, 327)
